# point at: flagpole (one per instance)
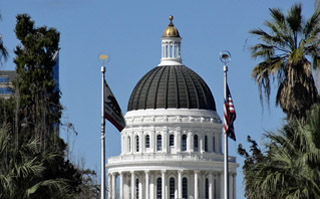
(103, 175)
(225, 57)
(226, 164)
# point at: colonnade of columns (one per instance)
(155, 184)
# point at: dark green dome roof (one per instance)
(171, 87)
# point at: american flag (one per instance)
(112, 111)
(229, 116)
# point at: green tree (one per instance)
(39, 106)
(32, 120)
(284, 50)
(290, 167)
(22, 170)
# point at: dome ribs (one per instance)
(141, 94)
(184, 95)
(192, 81)
(153, 90)
(173, 97)
(162, 84)
(171, 86)
(209, 98)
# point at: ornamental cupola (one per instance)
(171, 85)
(171, 45)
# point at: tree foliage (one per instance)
(24, 170)
(290, 167)
(33, 155)
(39, 106)
(284, 51)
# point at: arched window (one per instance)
(195, 143)
(171, 50)
(129, 144)
(207, 188)
(137, 143)
(172, 188)
(171, 140)
(184, 143)
(159, 188)
(147, 141)
(159, 143)
(206, 143)
(213, 144)
(137, 188)
(184, 188)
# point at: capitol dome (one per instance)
(174, 86)
(171, 145)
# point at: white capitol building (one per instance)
(171, 147)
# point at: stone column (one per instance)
(234, 186)
(179, 184)
(153, 141)
(151, 186)
(196, 185)
(201, 144)
(178, 141)
(164, 142)
(210, 185)
(121, 185)
(147, 184)
(114, 188)
(142, 142)
(214, 191)
(189, 142)
(132, 185)
(230, 186)
(222, 185)
(109, 186)
(163, 184)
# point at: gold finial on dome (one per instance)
(171, 18)
(171, 31)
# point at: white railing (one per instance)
(170, 157)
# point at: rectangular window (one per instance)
(4, 79)
(159, 143)
(159, 188)
(137, 143)
(195, 143)
(214, 144)
(184, 143)
(147, 141)
(171, 140)
(206, 143)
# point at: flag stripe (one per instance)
(229, 116)
(112, 110)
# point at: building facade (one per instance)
(171, 147)
(6, 78)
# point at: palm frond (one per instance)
(295, 19)
(311, 25)
(3, 51)
(56, 187)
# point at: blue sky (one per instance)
(129, 32)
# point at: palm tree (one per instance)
(22, 170)
(291, 165)
(3, 51)
(284, 52)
